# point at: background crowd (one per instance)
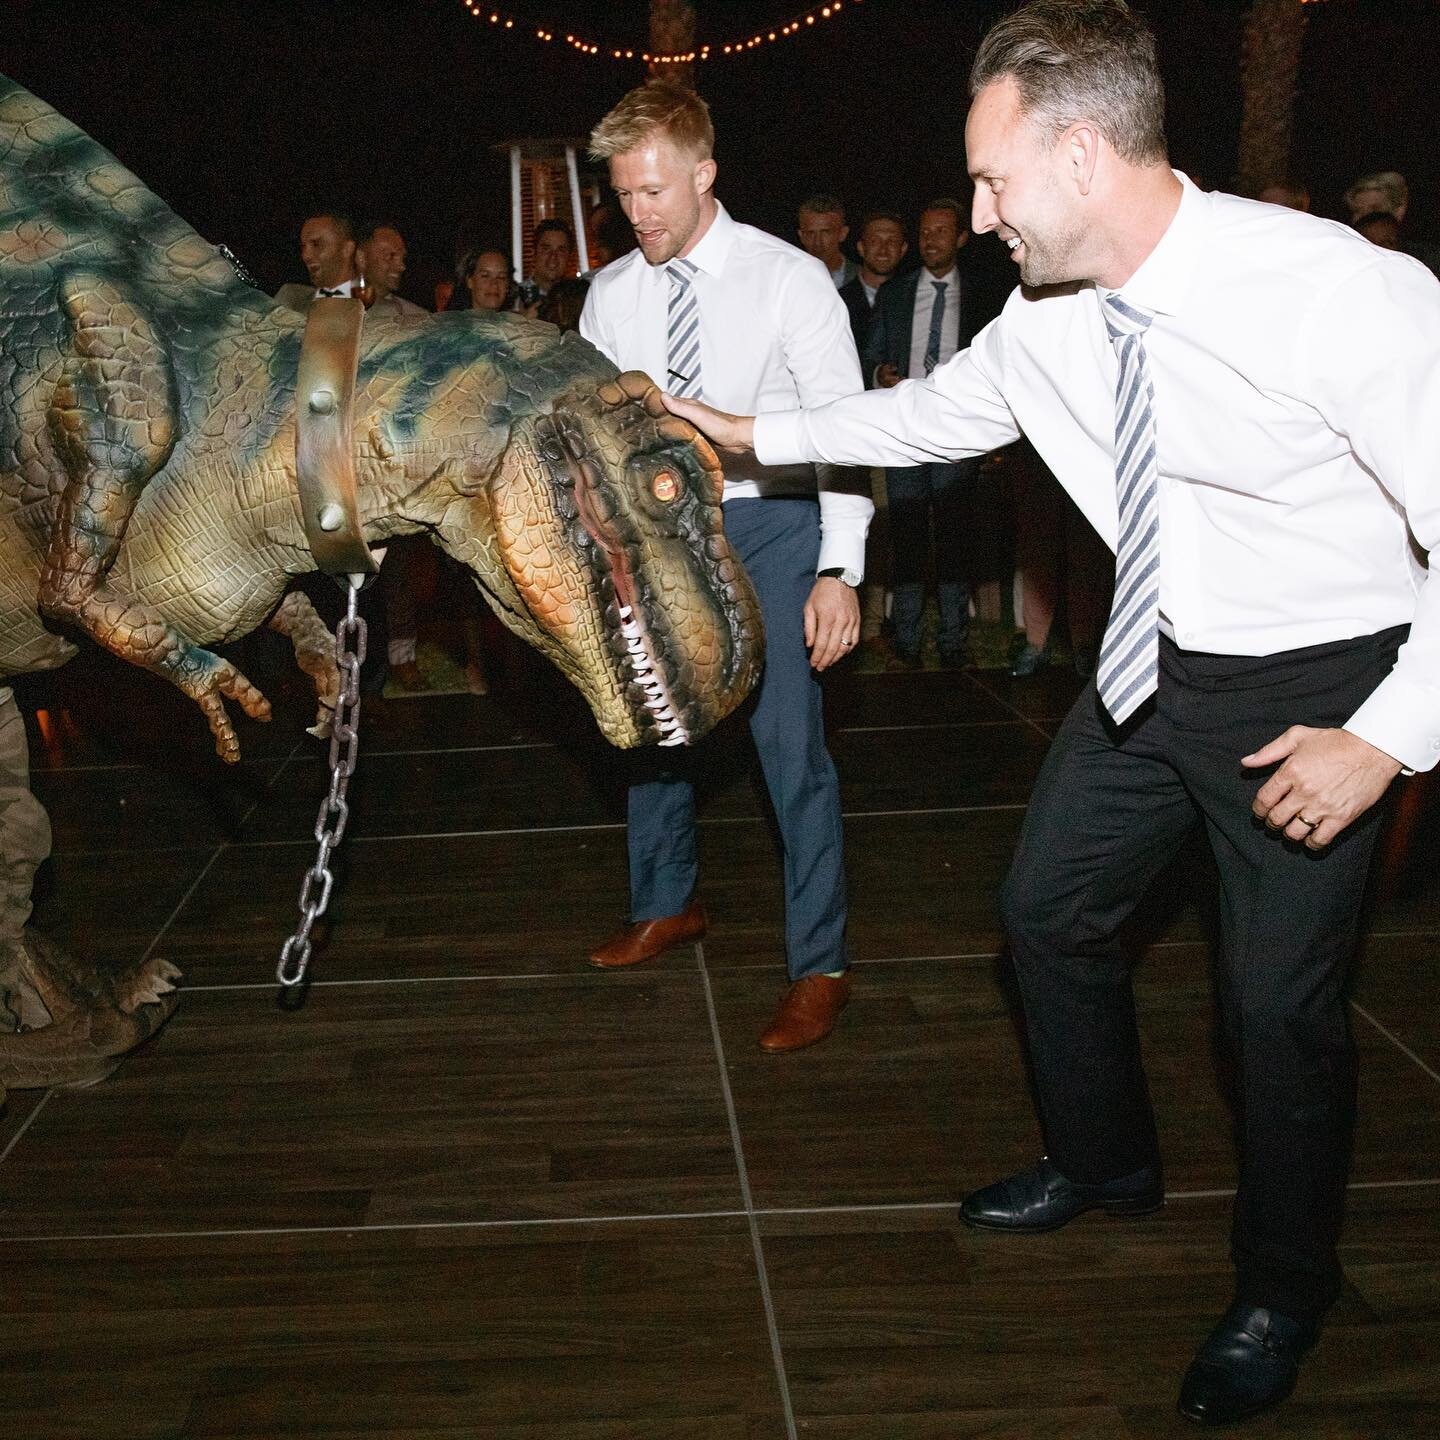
(973, 563)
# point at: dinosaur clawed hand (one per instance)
(209, 681)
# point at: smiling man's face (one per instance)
(1020, 192)
(665, 195)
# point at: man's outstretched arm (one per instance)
(958, 412)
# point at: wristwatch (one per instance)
(839, 572)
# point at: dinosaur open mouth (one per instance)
(631, 631)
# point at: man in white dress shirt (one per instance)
(733, 314)
(381, 258)
(1245, 402)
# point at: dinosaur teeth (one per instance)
(643, 670)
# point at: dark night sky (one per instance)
(245, 116)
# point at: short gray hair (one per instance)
(1081, 60)
(1389, 183)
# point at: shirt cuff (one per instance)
(1402, 719)
(844, 519)
(778, 438)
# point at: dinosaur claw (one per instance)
(227, 746)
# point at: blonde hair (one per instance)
(659, 108)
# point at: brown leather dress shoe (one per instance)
(645, 939)
(808, 1012)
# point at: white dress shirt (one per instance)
(920, 326)
(773, 334)
(1296, 370)
(396, 307)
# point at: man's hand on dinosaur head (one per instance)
(734, 434)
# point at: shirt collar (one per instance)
(950, 277)
(715, 245)
(1161, 282)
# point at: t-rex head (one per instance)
(589, 515)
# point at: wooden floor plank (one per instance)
(905, 1324)
(591, 1331)
(411, 1153)
(934, 1103)
(392, 1105)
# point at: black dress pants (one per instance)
(1110, 809)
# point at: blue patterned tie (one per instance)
(1130, 653)
(683, 328)
(937, 318)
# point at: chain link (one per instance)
(334, 810)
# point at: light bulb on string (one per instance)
(710, 50)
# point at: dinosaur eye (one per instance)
(665, 486)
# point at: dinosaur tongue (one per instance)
(582, 472)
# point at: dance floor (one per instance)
(473, 1188)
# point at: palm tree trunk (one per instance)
(1269, 69)
(672, 32)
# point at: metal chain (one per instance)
(334, 811)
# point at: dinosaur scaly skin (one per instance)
(147, 442)
(148, 499)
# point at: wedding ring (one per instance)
(1309, 824)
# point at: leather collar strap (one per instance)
(324, 441)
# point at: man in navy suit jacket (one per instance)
(919, 321)
(882, 247)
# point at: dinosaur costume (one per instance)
(148, 500)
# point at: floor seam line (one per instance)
(533, 1222)
(215, 855)
(1001, 701)
(514, 830)
(740, 967)
(26, 1124)
(1395, 1040)
(777, 1353)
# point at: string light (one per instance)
(586, 46)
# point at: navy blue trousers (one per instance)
(778, 542)
(1109, 809)
(934, 497)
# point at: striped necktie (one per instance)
(1130, 652)
(683, 329)
(937, 319)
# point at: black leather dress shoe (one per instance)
(1041, 1198)
(1248, 1362)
